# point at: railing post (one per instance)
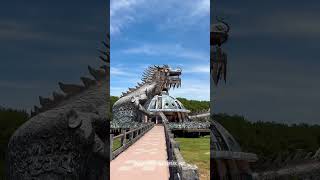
(134, 134)
(130, 136)
(123, 140)
(111, 146)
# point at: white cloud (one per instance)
(198, 69)
(122, 12)
(115, 71)
(172, 13)
(193, 89)
(163, 15)
(176, 50)
(187, 15)
(201, 8)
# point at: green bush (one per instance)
(10, 120)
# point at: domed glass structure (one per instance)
(171, 107)
(166, 103)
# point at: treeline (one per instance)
(194, 106)
(10, 120)
(270, 138)
(113, 99)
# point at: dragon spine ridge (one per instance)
(146, 78)
(73, 89)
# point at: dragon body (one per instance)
(66, 138)
(129, 111)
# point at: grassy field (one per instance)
(197, 151)
(116, 144)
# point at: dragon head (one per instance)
(164, 76)
(169, 77)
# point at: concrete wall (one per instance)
(180, 170)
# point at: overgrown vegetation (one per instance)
(270, 138)
(10, 120)
(113, 99)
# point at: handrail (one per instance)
(118, 136)
(133, 134)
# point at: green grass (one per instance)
(116, 144)
(197, 151)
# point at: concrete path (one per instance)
(144, 160)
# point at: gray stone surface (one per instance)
(67, 137)
(182, 170)
(189, 172)
(190, 125)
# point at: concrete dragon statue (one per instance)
(219, 34)
(66, 138)
(129, 110)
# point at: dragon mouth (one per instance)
(174, 79)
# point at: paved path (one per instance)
(144, 160)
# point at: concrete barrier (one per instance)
(179, 169)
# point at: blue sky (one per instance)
(44, 42)
(273, 60)
(152, 32)
(273, 51)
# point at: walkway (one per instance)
(144, 160)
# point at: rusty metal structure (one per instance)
(227, 160)
(219, 34)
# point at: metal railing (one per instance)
(127, 138)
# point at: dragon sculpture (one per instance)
(129, 110)
(67, 137)
(219, 34)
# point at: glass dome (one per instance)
(166, 103)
